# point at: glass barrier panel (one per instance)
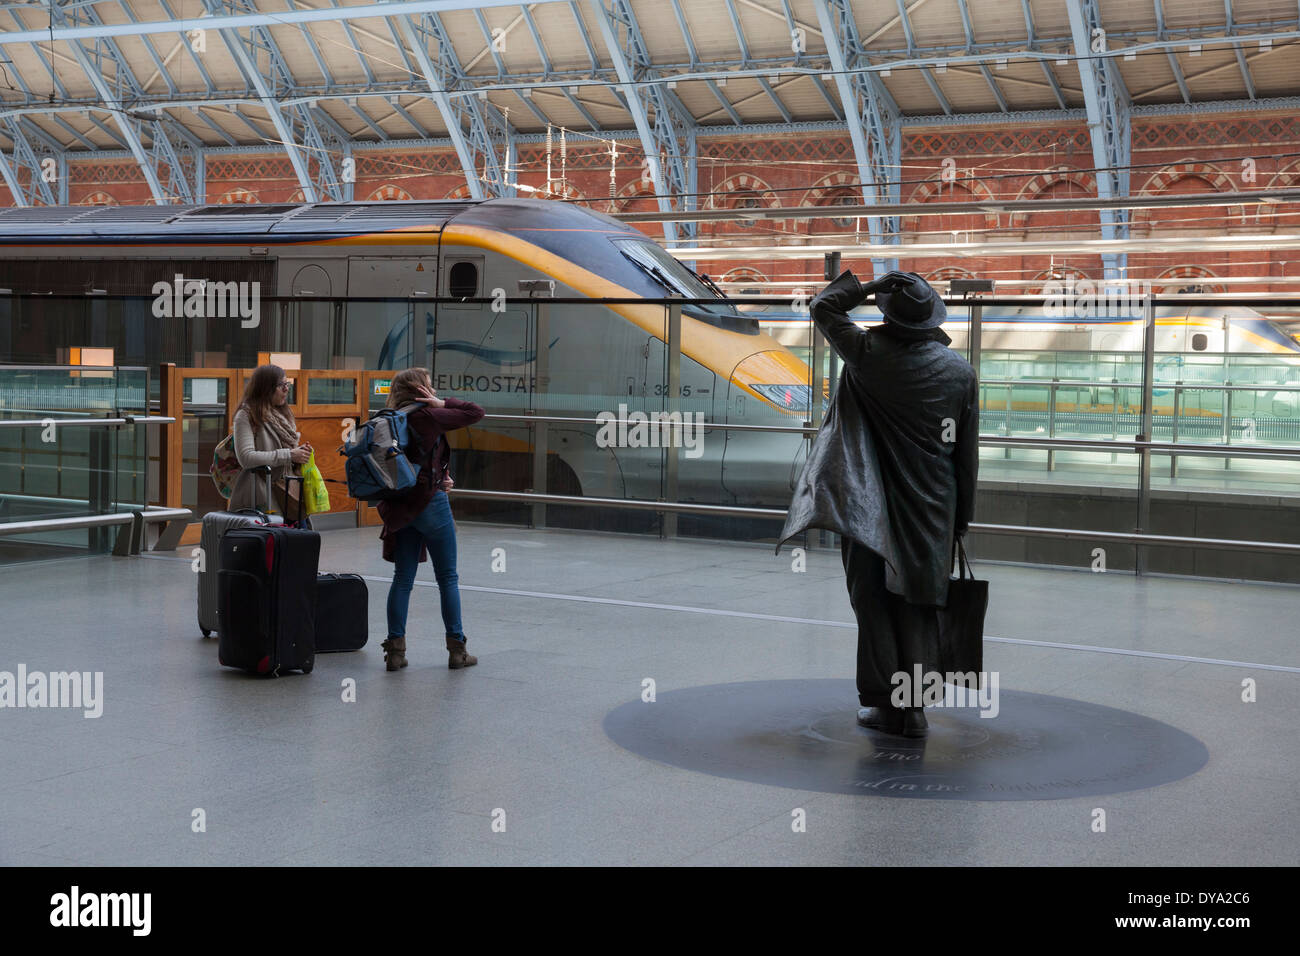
(1044, 375)
(203, 428)
(131, 451)
(489, 357)
(331, 391)
(48, 471)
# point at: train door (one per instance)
(700, 455)
(317, 326)
(1206, 344)
(485, 353)
(759, 468)
(642, 464)
(700, 459)
(390, 334)
(482, 351)
(1204, 333)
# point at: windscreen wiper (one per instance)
(708, 282)
(654, 272)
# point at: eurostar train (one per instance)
(1194, 345)
(1234, 329)
(593, 358)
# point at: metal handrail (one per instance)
(62, 524)
(16, 497)
(1267, 300)
(87, 422)
(1102, 444)
(1164, 386)
(681, 507)
(721, 426)
(1077, 444)
(1136, 538)
(633, 504)
(72, 368)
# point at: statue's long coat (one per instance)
(893, 466)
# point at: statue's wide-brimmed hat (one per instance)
(907, 300)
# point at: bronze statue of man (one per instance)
(892, 471)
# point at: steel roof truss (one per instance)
(874, 121)
(295, 124)
(485, 144)
(1109, 123)
(667, 139)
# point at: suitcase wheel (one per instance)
(206, 632)
(306, 668)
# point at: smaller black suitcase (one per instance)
(342, 613)
(267, 599)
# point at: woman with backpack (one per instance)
(418, 524)
(265, 433)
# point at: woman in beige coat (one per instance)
(265, 434)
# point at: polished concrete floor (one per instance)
(509, 762)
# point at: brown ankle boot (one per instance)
(456, 656)
(394, 652)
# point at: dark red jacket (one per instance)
(428, 425)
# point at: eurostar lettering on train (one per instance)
(445, 382)
(391, 261)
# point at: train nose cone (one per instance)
(778, 377)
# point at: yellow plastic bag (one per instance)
(315, 497)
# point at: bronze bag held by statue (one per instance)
(961, 621)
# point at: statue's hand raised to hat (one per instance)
(894, 280)
(889, 282)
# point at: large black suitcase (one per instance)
(342, 613)
(215, 525)
(267, 598)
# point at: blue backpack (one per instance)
(378, 466)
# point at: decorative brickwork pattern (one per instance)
(1044, 181)
(100, 174)
(742, 187)
(236, 196)
(948, 273)
(996, 142)
(249, 169)
(938, 189)
(743, 274)
(1062, 274)
(579, 154)
(1162, 179)
(1227, 131)
(388, 191)
(1171, 280)
(779, 150)
(828, 184)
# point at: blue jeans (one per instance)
(435, 529)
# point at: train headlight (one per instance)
(778, 377)
(791, 398)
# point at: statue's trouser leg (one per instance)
(893, 635)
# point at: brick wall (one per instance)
(1195, 155)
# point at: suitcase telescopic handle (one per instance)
(302, 504)
(264, 470)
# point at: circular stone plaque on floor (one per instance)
(803, 734)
